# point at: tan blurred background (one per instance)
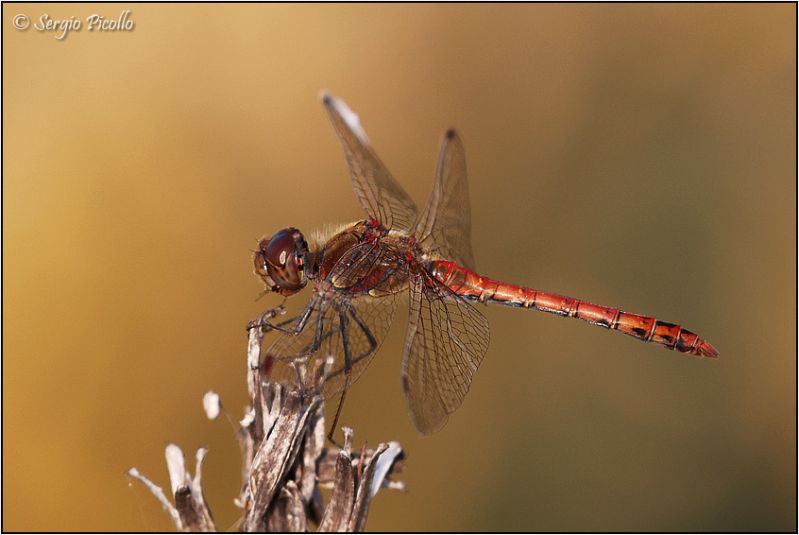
(637, 156)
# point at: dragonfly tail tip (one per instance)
(706, 349)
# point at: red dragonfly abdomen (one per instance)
(472, 286)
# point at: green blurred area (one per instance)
(640, 156)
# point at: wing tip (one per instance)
(326, 98)
(451, 133)
(338, 108)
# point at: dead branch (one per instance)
(284, 460)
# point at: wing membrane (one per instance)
(444, 345)
(379, 193)
(445, 225)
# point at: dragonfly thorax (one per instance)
(281, 261)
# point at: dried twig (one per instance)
(284, 461)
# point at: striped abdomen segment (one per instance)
(472, 286)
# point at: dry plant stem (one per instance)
(284, 459)
(190, 512)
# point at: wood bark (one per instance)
(284, 460)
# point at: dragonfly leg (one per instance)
(274, 326)
(302, 321)
(302, 354)
(365, 354)
(330, 436)
(366, 331)
(345, 339)
(263, 320)
(349, 362)
(319, 334)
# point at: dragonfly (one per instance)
(359, 271)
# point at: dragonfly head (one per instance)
(280, 261)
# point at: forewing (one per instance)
(378, 192)
(446, 341)
(445, 226)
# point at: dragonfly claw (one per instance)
(262, 321)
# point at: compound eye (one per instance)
(282, 257)
(280, 249)
(260, 259)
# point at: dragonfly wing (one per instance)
(445, 226)
(378, 192)
(446, 341)
(351, 330)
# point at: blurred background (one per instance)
(640, 156)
